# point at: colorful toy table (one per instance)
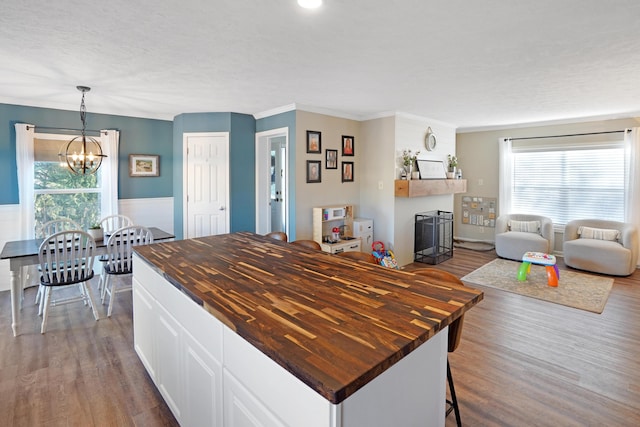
(540, 258)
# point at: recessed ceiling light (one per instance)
(310, 4)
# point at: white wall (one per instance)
(155, 212)
(378, 170)
(409, 134)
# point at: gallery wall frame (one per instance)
(348, 145)
(314, 141)
(347, 172)
(314, 171)
(331, 159)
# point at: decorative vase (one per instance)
(415, 175)
(451, 175)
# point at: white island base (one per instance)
(211, 376)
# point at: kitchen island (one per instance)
(239, 329)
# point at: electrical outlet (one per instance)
(481, 230)
(481, 181)
(379, 185)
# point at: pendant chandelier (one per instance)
(83, 154)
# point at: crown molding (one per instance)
(274, 111)
(614, 116)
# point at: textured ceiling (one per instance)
(471, 64)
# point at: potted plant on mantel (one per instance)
(452, 163)
(408, 161)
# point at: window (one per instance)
(59, 192)
(566, 181)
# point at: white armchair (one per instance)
(520, 233)
(607, 247)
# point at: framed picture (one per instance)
(314, 171)
(347, 171)
(332, 159)
(314, 142)
(431, 169)
(348, 145)
(144, 165)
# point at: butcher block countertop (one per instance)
(332, 322)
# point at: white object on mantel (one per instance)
(415, 175)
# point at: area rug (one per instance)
(578, 290)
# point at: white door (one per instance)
(206, 184)
(272, 182)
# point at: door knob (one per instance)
(221, 208)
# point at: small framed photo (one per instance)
(347, 171)
(144, 165)
(314, 142)
(332, 159)
(314, 171)
(348, 147)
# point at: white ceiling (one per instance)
(471, 64)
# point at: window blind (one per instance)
(569, 181)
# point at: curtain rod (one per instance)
(572, 134)
(36, 128)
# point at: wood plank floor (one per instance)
(521, 362)
(525, 362)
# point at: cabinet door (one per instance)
(168, 360)
(203, 386)
(242, 409)
(143, 321)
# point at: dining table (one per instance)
(25, 252)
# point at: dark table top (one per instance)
(334, 323)
(25, 248)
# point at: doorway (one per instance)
(272, 183)
(206, 184)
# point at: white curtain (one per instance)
(632, 176)
(110, 140)
(24, 163)
(505, 176)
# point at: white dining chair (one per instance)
(111, 223)
(66, 261)
(119, 261)
(45, 230)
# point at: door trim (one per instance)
(185, 170)
(263, 161)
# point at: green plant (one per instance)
(95, 227)
(452, 161)
(408, 158)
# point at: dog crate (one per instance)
(433, 241)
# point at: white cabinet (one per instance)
(168, 367)
(143, 318)
(242, 409)
(186, 369)
(203, 394)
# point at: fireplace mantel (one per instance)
(429, 187)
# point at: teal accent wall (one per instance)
(278, 121)
(137, 136)
(243, 173)
(241, 128)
